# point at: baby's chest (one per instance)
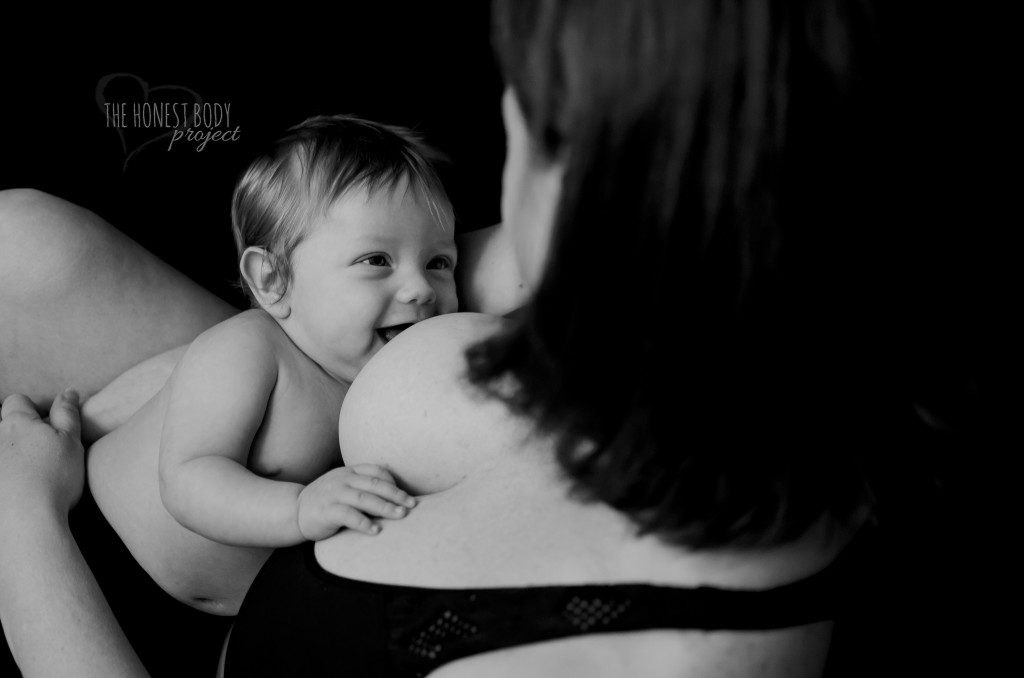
(298, 439)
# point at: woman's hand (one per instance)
(54, 615)
(42, 465)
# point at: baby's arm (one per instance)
(218, 398)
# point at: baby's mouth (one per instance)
(389, 333)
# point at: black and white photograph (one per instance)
(576, 338)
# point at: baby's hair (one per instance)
(303, 173)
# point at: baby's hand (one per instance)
(344, 497)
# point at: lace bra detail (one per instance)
(429, 627)
(301, 620)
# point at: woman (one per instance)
(673, 408)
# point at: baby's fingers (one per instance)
(374, 470)
(374, 504)
(340, 515)
(383, 488)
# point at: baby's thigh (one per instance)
(80, 302)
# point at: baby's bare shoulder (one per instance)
(249, 336)
(250, 325)
(236, 360)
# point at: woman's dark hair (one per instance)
(709, 340)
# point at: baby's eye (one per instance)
(440, 263)
(375, 260)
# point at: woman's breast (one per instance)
(412, 409)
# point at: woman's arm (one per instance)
(56, 620)
(487, 276)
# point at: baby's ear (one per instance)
(260, 271)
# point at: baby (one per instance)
(345, 238)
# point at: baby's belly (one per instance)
(123, 478)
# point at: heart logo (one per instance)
(133, 140)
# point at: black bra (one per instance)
(298, 612)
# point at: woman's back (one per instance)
(495, 512)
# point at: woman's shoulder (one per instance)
(412, 408)
(799, 652)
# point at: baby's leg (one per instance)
(80, 302)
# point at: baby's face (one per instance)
(367, 270)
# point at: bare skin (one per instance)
(295, 446)
(524, 530)
(81, 302)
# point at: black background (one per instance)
(430, 69)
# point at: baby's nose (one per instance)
(416, 289)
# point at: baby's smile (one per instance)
(389, 333)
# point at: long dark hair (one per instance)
(713, 338)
